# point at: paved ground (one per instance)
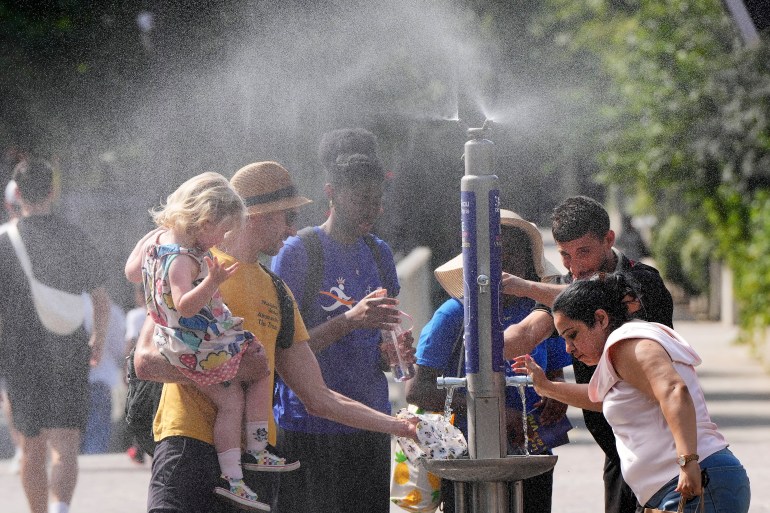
(739, 400)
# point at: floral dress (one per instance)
(206, 347)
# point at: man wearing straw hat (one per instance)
(440, 352)
(185, 469)
(581, 229)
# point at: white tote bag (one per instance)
(60, 312)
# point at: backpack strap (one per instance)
(142, 401)
(375, 249)
(285, 336)
(315, 266)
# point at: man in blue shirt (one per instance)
(344, 308)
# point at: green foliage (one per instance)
(744, 241)
(682, 254)
(666, 243)
(689, 135)
(662, 57)
(733, 143)
(695, 255)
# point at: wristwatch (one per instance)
(684, 459)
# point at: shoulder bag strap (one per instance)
(21, 251)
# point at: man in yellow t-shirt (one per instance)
(185, 469)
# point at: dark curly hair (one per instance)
(609, 292)
(349, 155)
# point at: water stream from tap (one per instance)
(450, 392)
(524, 417)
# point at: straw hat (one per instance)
(266, 187)
(450, 274)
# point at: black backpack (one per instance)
(142, 401)
(143, 397)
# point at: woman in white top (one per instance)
(646, 386)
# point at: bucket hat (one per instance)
(450, 274)
(266, 187)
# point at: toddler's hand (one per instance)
(218, 273)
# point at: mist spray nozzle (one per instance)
(480, 133)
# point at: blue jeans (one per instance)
(96, 439)
(727, 490)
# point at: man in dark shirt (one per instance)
(47, 373)
(581, 229)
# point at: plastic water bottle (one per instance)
(401, 369)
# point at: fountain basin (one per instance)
(508, 469)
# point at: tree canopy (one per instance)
(688, 138)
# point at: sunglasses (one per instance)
(290, 216)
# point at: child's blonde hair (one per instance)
(206, 197)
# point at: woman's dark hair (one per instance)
(346, 141)
(609, 292)
(356, 169)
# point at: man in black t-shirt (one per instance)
(581, 229)
(46, 373)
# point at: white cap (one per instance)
(10, 193)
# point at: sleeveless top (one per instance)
(643, 438)
(206, 347)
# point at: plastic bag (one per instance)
(412, 487)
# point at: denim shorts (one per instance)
(727, 489)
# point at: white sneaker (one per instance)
(235, 490)
(266, 461)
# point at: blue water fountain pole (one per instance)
(480, 212)
(488, 470)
